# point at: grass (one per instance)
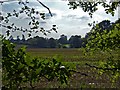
(76, 58)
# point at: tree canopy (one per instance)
(104, 36)
(91, 6)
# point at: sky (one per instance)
(69, 22)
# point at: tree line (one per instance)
(75, 41)
(41, 42)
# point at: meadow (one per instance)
(75, 58)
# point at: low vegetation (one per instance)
(20, 69)
(76, 59)
(44, 69)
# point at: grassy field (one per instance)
(76, 58)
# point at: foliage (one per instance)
(19, 68)
(99, 37)
(76, 41)
(103, 38)
(111, 66)
(31, 13)
(75, 59)
(92, 6)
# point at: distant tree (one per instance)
(38, 42)
(32, 42)
(23, 38)
(41, 42)
(52, 43)
(18, 38)
(75, 41)
(105, 24)
(11, 38)
(62, 39)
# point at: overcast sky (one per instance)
(69, 22)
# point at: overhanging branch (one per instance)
(45, 7)
(101, 67)
(37, 0)
(12, 28)
(79, 72)
(7, 1)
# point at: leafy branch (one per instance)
(112, 69)
(33, 23)
(79, 72)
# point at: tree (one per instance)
(38, 42)
(62, 39)
(75, 41)
(92, 6)
(52, 43)
(20, 69)
(103, 36)
(23, 38)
